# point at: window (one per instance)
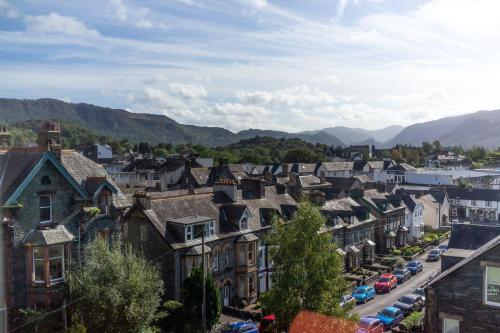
(492, 287)
(488, 203)
(450, 325)
(250, 285)
(211, 228)
(189, 233)
(473, 202)
(56, 263)
(215, 261)
(244, 223)
(226, 257)
(242, 254)
(251, 253)
(45, 180)
(242, 286)
(45, 209)
(38, 265)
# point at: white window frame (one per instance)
(244, 225)
(34, 266)
(56, 280)
(188, 233)
(445, 319)
(486, 288)
(215, 261)
(40, 207)
(211, 228)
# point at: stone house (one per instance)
(466, 297)
(389, 209)
(168, 226)
(45, 194)
(353, 230)
(335, 169)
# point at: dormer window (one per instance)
(195, 231)
(189, 233)
(45, 205)
(244, 223)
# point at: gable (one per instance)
(47, 158)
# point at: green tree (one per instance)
(117, 291)
(427, 147)
(160, 152)
(307, 269)
(437, 146)
(301, 155)
(192, 291)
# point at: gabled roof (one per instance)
(473, 193)
(472, 236)
(338, 166)
(410, 202)
(487, 247)
(201, 175)
(302, 168)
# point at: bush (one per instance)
(76, 328)
(392, 261)
(396, 252)
(414, 322)
(410, 251)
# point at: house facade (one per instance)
(414, 217)
(335, 169)
(45, 195)
(476, 205)
(167, 227)
(466, 296)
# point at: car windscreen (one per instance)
(405, 299)
(364, 324)
(360, 291)
(434, 252)
(412, 264)
(383, 280)
(399, 271)
(387, 313)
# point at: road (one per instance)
(383, 300)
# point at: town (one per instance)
(402, 240)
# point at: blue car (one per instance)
(390, 316)
(363, 294)
(415, 267)
(240, 327)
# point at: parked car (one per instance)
(390, 316)
(415, 267)
(402, 274)
(363, 294)
(434, 255)
(443, 248)
(370, 324)
(410, 303)
(268, 324)
(420, 292)
(239, 327)
(386, 283)
(347, 299)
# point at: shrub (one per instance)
(414, 322)
(410, 250)
(396, 252)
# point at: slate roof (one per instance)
(358, 165)
(201, 175)
(473, 194)
(485, 248)
(471, 236)
(376, 198)
(376, 164)
(302, 168)
(311, 181)
(410, 202)
(344, 183)
(48, 236)
(338, 166)
(142, 165)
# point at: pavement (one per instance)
(382, 300)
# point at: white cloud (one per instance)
(138, 16)
(192, 91)
(259, 4)
(9, 11)
(57, 24)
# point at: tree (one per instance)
(301, 155)
(437, 146)
(427, 147)
(160, 152)
(307, 268)
(192, 291)
(115, 290)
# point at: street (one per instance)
(383, 300)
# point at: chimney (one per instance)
(253, 188)
(5, 138)
(268, 176)
(227, 186)
(143, 199)
(50, 137)
(284, 168)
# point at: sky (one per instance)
(285, 65)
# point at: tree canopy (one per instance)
(117, 291)
(307, 269)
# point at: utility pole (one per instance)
(203, 302)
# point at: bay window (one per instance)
(49, 264)
(56, 263)
(38, 265)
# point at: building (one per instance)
(466, 297)
(389, 209)
(335, 169)
(99, 153)
(476, 205)
(414, 217)
(167, 227)
(45, 196)
(436, 209)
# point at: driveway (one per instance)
(383, 300)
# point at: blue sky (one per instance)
(289, 65)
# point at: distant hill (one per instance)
(135, 127)
(480, 129)
(353, 136)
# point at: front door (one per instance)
(226, 295)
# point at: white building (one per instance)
(335, 169)
(414, 217)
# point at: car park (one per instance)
(386, 283)
(239, 327)
(410, 303)
(370, 324)
(402, 274)
(347, 299)
(363, 294)
(390, 316)
(415, 267)
(433, 255)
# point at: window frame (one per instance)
(445, 319)
(251, 253)
(485, 292)
(244, 223)
(40, 207)
(215, 261)
(188, 233)
(62, 258)
(226, 257)
(43, 260)
(47, 260)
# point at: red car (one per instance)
(385, 283)
(268, 324)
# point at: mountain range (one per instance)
(481, 128)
